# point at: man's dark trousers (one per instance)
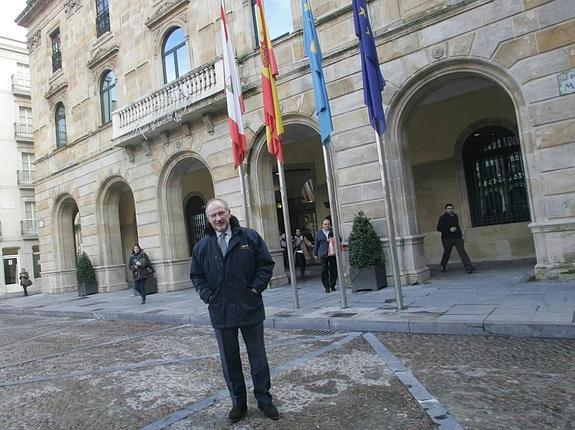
(448, 245)
(328, 272)
(232, 366)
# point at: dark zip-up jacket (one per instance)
(225, 282)
(445, 223)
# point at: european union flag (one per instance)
(373, 81)
(313, 52)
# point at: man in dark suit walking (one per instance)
(451, 236)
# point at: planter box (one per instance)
(87, 288)
(368, 278)
(151, 286)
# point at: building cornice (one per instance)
(167, 8)
(30, 11)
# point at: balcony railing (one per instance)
(102, 23)
(56, 61)
(21, 82)
(29, 227)
(26, 177)
(169, 103)
(23, 130)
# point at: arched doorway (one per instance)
(306, 185)
(195, 215)
(118, 229)
(458, 143)
(67, 244)
(185, 186)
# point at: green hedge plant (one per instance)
(364, 244)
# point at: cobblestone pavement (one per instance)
(495, 382)
(63, 373)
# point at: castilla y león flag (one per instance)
(233, 91)
(272, 114)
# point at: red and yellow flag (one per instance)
(272, 114)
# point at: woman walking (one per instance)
(25, 280)
(141, 270)
(301, 251)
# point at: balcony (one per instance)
(185, 99)
(23, 131)
(21, 84)
(29, 228)
(26, 178)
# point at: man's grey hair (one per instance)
(222, 201)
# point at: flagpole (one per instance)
(287, 226)
(242, 175)
(335, 225)
(390, 220)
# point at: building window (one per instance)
(495, 177)
(279, 18)
(108, 98)
(56, 51)
(36, 261)
(60, 121)
(175, 55)
(24, 125)
(102, 17)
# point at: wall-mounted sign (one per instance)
(566, 81)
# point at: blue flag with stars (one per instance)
(313, 52)
(373, 81)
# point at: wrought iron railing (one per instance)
(26, 177)
(23, 129)
(102, 23)
(21, 81)
(56, 60)
(29, 227)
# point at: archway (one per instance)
(68, 233)
(185, 186)
(117, 221)
(430, 120)
(305, 182)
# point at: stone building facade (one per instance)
(18, 220)
(132, 137)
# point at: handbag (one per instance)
(331, 247)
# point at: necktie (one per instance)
(222, 242)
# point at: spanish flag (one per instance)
(272, 114)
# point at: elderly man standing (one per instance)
(230, 268)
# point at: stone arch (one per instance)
(402, 104)
(408, 96)
(171, 187)
(112, 248)
(64, 214)
(261, 185)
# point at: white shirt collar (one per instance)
(228, 233)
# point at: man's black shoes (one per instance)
(271, 412)
(237, 413)
(470, 270)
(443, 269)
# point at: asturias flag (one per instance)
(313, 52)
(233, 91)
(373, 81)
(272, 114)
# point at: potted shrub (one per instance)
(365, 256)
(85, 275)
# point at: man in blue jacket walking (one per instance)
(231, 266)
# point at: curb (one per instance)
(514, 329)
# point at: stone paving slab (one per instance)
(492, 300)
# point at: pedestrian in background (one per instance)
(141, 269)
(301, 246)
(451, 235)
(326, 254)
(25, 281)
(231, 267)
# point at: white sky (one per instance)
(9, 10)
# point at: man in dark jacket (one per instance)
(230, 268)
(451, 236)
(328, 262)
